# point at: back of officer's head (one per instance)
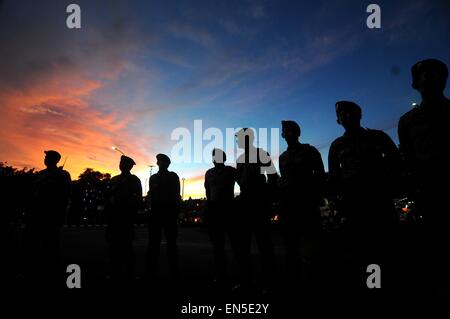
(429, 76)
(51, 158)
(290, 130)
(348, 114)
(245, 137)
(126, 163)
(218, 156)
(163, 161)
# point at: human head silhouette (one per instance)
(348, 114)
(51, 158)
(126, 164)
(290, 131)
(245, 138)
(218, 157)
(429, 77)
(163, 161)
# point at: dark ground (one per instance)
(327, 284)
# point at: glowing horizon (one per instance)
(138, 70)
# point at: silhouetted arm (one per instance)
(207, 188)
(319, 171)
(281, 183)
(139, 189)
(407, 159)
(177, 189)
(152, 190)
(334, 170)
(138, 192)
(267, 167)
(272, 176)
(406, 149)
(66, 189)
(239, 173)
(391, 154)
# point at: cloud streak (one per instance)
(49, 79)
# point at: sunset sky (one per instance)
(137, 70)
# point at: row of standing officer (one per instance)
(125, 199)
(362, 162)
(364, 165)
(366, 172)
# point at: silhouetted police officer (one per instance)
(425, 145)
(363, 165)
(301, 188)
(165, 204)
(254, 203)
(125, 199)
(219, 186)
(51, 194)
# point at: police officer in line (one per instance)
(51, 195)
(425, 145)
(301, 188)
(220, 215)
(363, 167)
(257, 178)
(124, 200)
(165, 203)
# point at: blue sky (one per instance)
(137, 70)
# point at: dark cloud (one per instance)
(37, 45)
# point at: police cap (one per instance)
(51, 154)
(163, 158)
(430, 65)
(291, 125)
(245, 132)
(127, 160)
(348, 106)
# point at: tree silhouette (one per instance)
(88, 198)
(16, 192)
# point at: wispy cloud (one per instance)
(48, 88)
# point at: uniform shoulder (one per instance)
(230, 168)
(42, 172)
(263, 155)
(408, 116)
(309, 147)
(137, 182)
(314, 151)
(378, 133)
(241, 158)
(209, 171)
(338, 141)
(66, 174)
(174, 175)
(134, 177)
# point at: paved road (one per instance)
(86, 247)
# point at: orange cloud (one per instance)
(56, 114)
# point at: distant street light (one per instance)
(117, 150)
(151, 169)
